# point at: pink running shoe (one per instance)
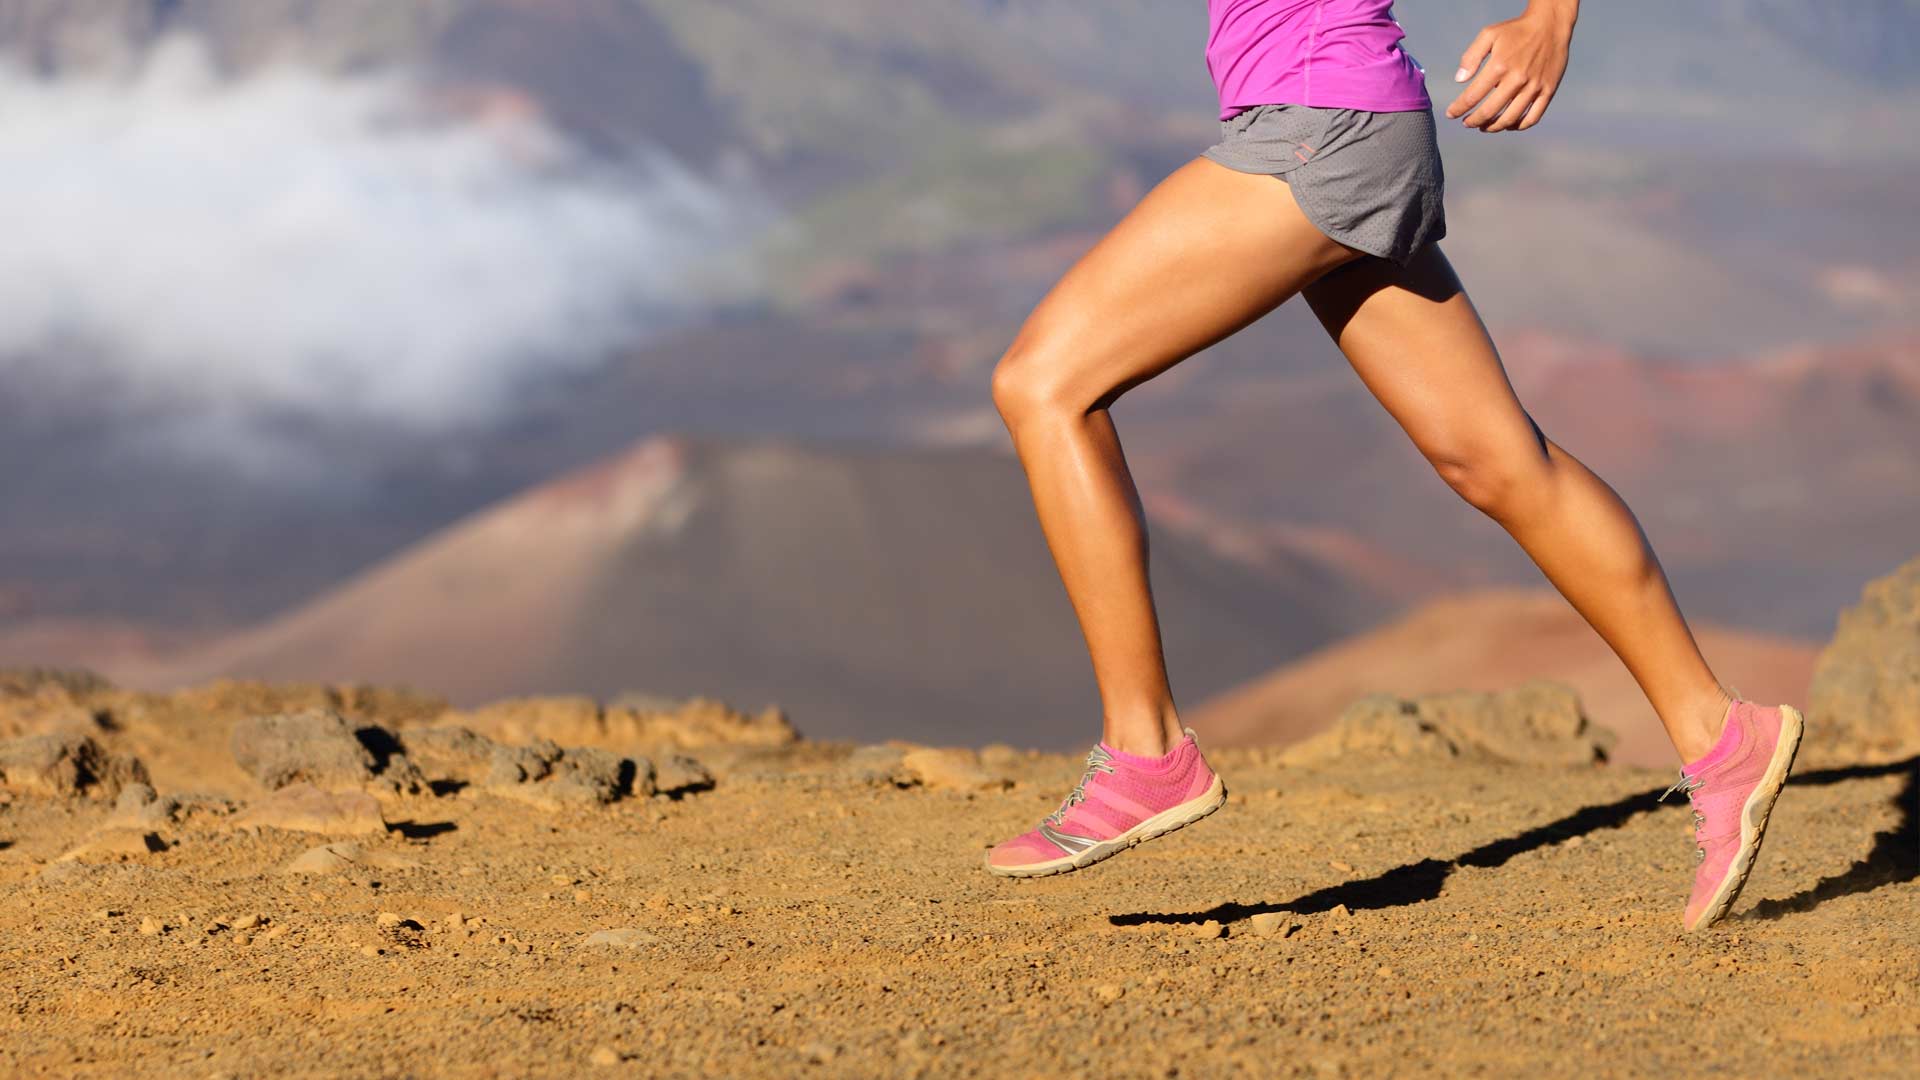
(1121, 800)
(1732, 790)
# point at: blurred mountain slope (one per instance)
(872, 594)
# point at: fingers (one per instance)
(1534, 113)
(1490, 107)
(1515, 109)
(1477, 50)
(1470, 62)
(1482, 84)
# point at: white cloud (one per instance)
(300, 244)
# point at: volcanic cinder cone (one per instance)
(872, 593)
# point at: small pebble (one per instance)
(605, 1055)
(387, 918)
(455, 921)
(1109, 993)
(1209, 929)
(368, 950)
(1343, 867)
(150, 926)
(274, 933)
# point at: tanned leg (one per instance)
(1417, 343)
(1206, 252)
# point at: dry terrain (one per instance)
(787, 907)
(1487, 640)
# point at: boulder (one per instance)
(1540, 723)
(45, 701)
(138, 807)
(1864, 702)
(678, 774)
(546, 776)
(315, 746)
(631, 721)
(65, 766)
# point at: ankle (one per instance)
(1152, 739)
(1708, 721)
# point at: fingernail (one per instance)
(1461, 75)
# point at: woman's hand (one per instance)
(1520, 62)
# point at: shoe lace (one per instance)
(1098, 761)
(1687, 785)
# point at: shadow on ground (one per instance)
(1894, 858)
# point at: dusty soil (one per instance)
(810, 915)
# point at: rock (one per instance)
(139, 807)
(116, 845)
(312, 746)
(1208, 930)
(305, 808)
(950, 769)
(387, 918)
(48, 701)
(270, 935)
(631, 721)
(1108, 993)
(622, 938)
(64, 767)
(551, 778)
(574, 719)
(693, 724)
(678, 774)
(151, 927)
(1539, 723)
(449, 753)
(604, 1056)
(1270, 924)
(1864, 702)
(325, 859)
(879, 766)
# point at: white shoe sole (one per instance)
(1753, 817)
(1159, 824)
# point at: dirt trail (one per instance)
(809, 915)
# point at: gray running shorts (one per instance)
(1370, 180)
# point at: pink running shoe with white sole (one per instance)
(1732, 790)
(1121, 800)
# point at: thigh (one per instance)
(1417, 343)
(1204, 253)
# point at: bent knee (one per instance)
(1496, 482)
(1034, 379)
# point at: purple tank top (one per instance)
(1332, 54)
